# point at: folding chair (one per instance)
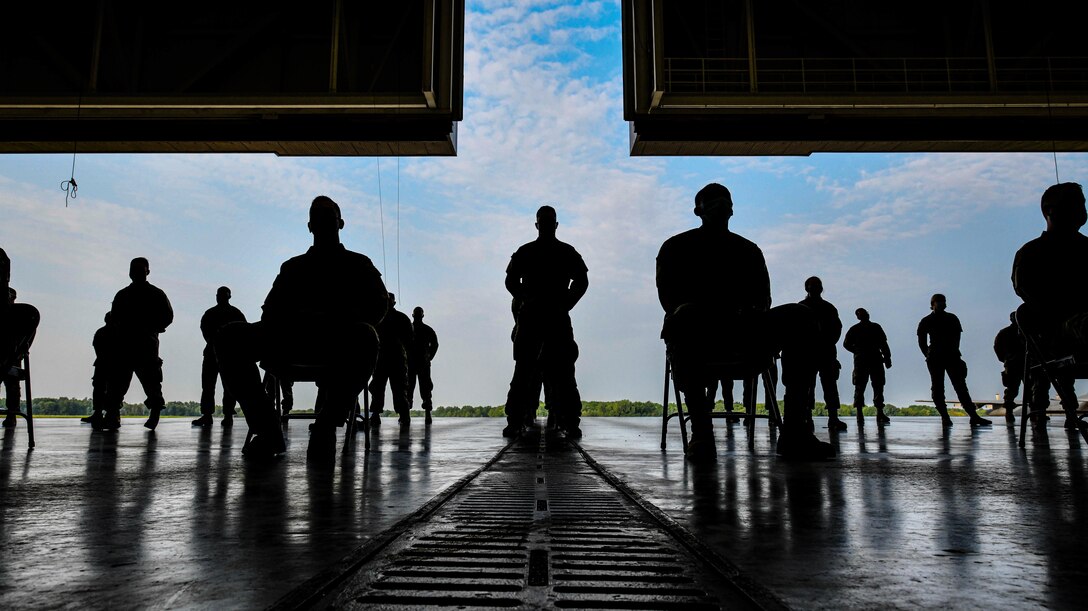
(11, 379)
(742, 370)
(1059, 372)
(274, 373)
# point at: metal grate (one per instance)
(540, 528)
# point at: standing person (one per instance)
(105, 348)
(1009, 348)
(424, 347)
(18, 325)
(214, 319)
(141, 311)
(320, 314)
(939, 340)
(546, 278)
(395, 334)
(827, 358)
(1050, 273)
(716, 293)
(867, 341)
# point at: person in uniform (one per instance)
(321, 314)
(1009, 348)
(18, 325)
(213, 320)
(546, 278)
(869, 345)
(827, 358)
(939, 340)
(104, 343)
(424, 347)
(140, 312)
(1050, 273)
(715, 290)
(395, 333)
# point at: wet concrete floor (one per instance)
(177, 519)
(909, 518)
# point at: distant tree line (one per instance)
(65, 406)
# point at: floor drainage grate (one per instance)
(539, 528)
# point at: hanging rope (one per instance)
(398, 223)
(70, 187)
(381, 215)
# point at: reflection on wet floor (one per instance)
(909, 517)
(176, 518)
(905, 518)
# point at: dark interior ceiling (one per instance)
(324, 77)
(792, 77)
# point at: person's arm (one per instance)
(433, 346)
(205, 327)
(836, 326)
(166, 312)
(578, 287)
(849, 343)
(885, 349)
(923, 344)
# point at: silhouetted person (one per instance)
(546, 278)
(1009, 348)
(939, 340)
(867, 341)
(140, 312)
(321, 314)
(18, 325)
(424, 347)
(715, 290)
(105, 357)
(1050, 273)
(214, 319)
(395, 332)
(827, 358)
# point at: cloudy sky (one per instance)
(543, 124)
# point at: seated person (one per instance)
(715, 290)
(321, 314)
(1050, 273)
(18, 324)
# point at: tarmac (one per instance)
(908, 516)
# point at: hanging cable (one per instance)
(381, 214)
(70, 187)
(398, 224)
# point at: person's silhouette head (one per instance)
(325, 220)
(392, 300)
(12, 295)
(1012, 317)
(714, 205)
(417, 313)
(862, 314)
(546, 222)
(1063, 207)
(222, 296)
(106, 318)
(814, 286)
(938, 303)
(139, 269)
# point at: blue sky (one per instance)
(543, 124)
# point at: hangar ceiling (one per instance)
(324, 77)
(791, 77)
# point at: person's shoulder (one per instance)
(359, 259)
(680, 240)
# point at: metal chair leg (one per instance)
(665, 406)
(29, 417)
(681, 417)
